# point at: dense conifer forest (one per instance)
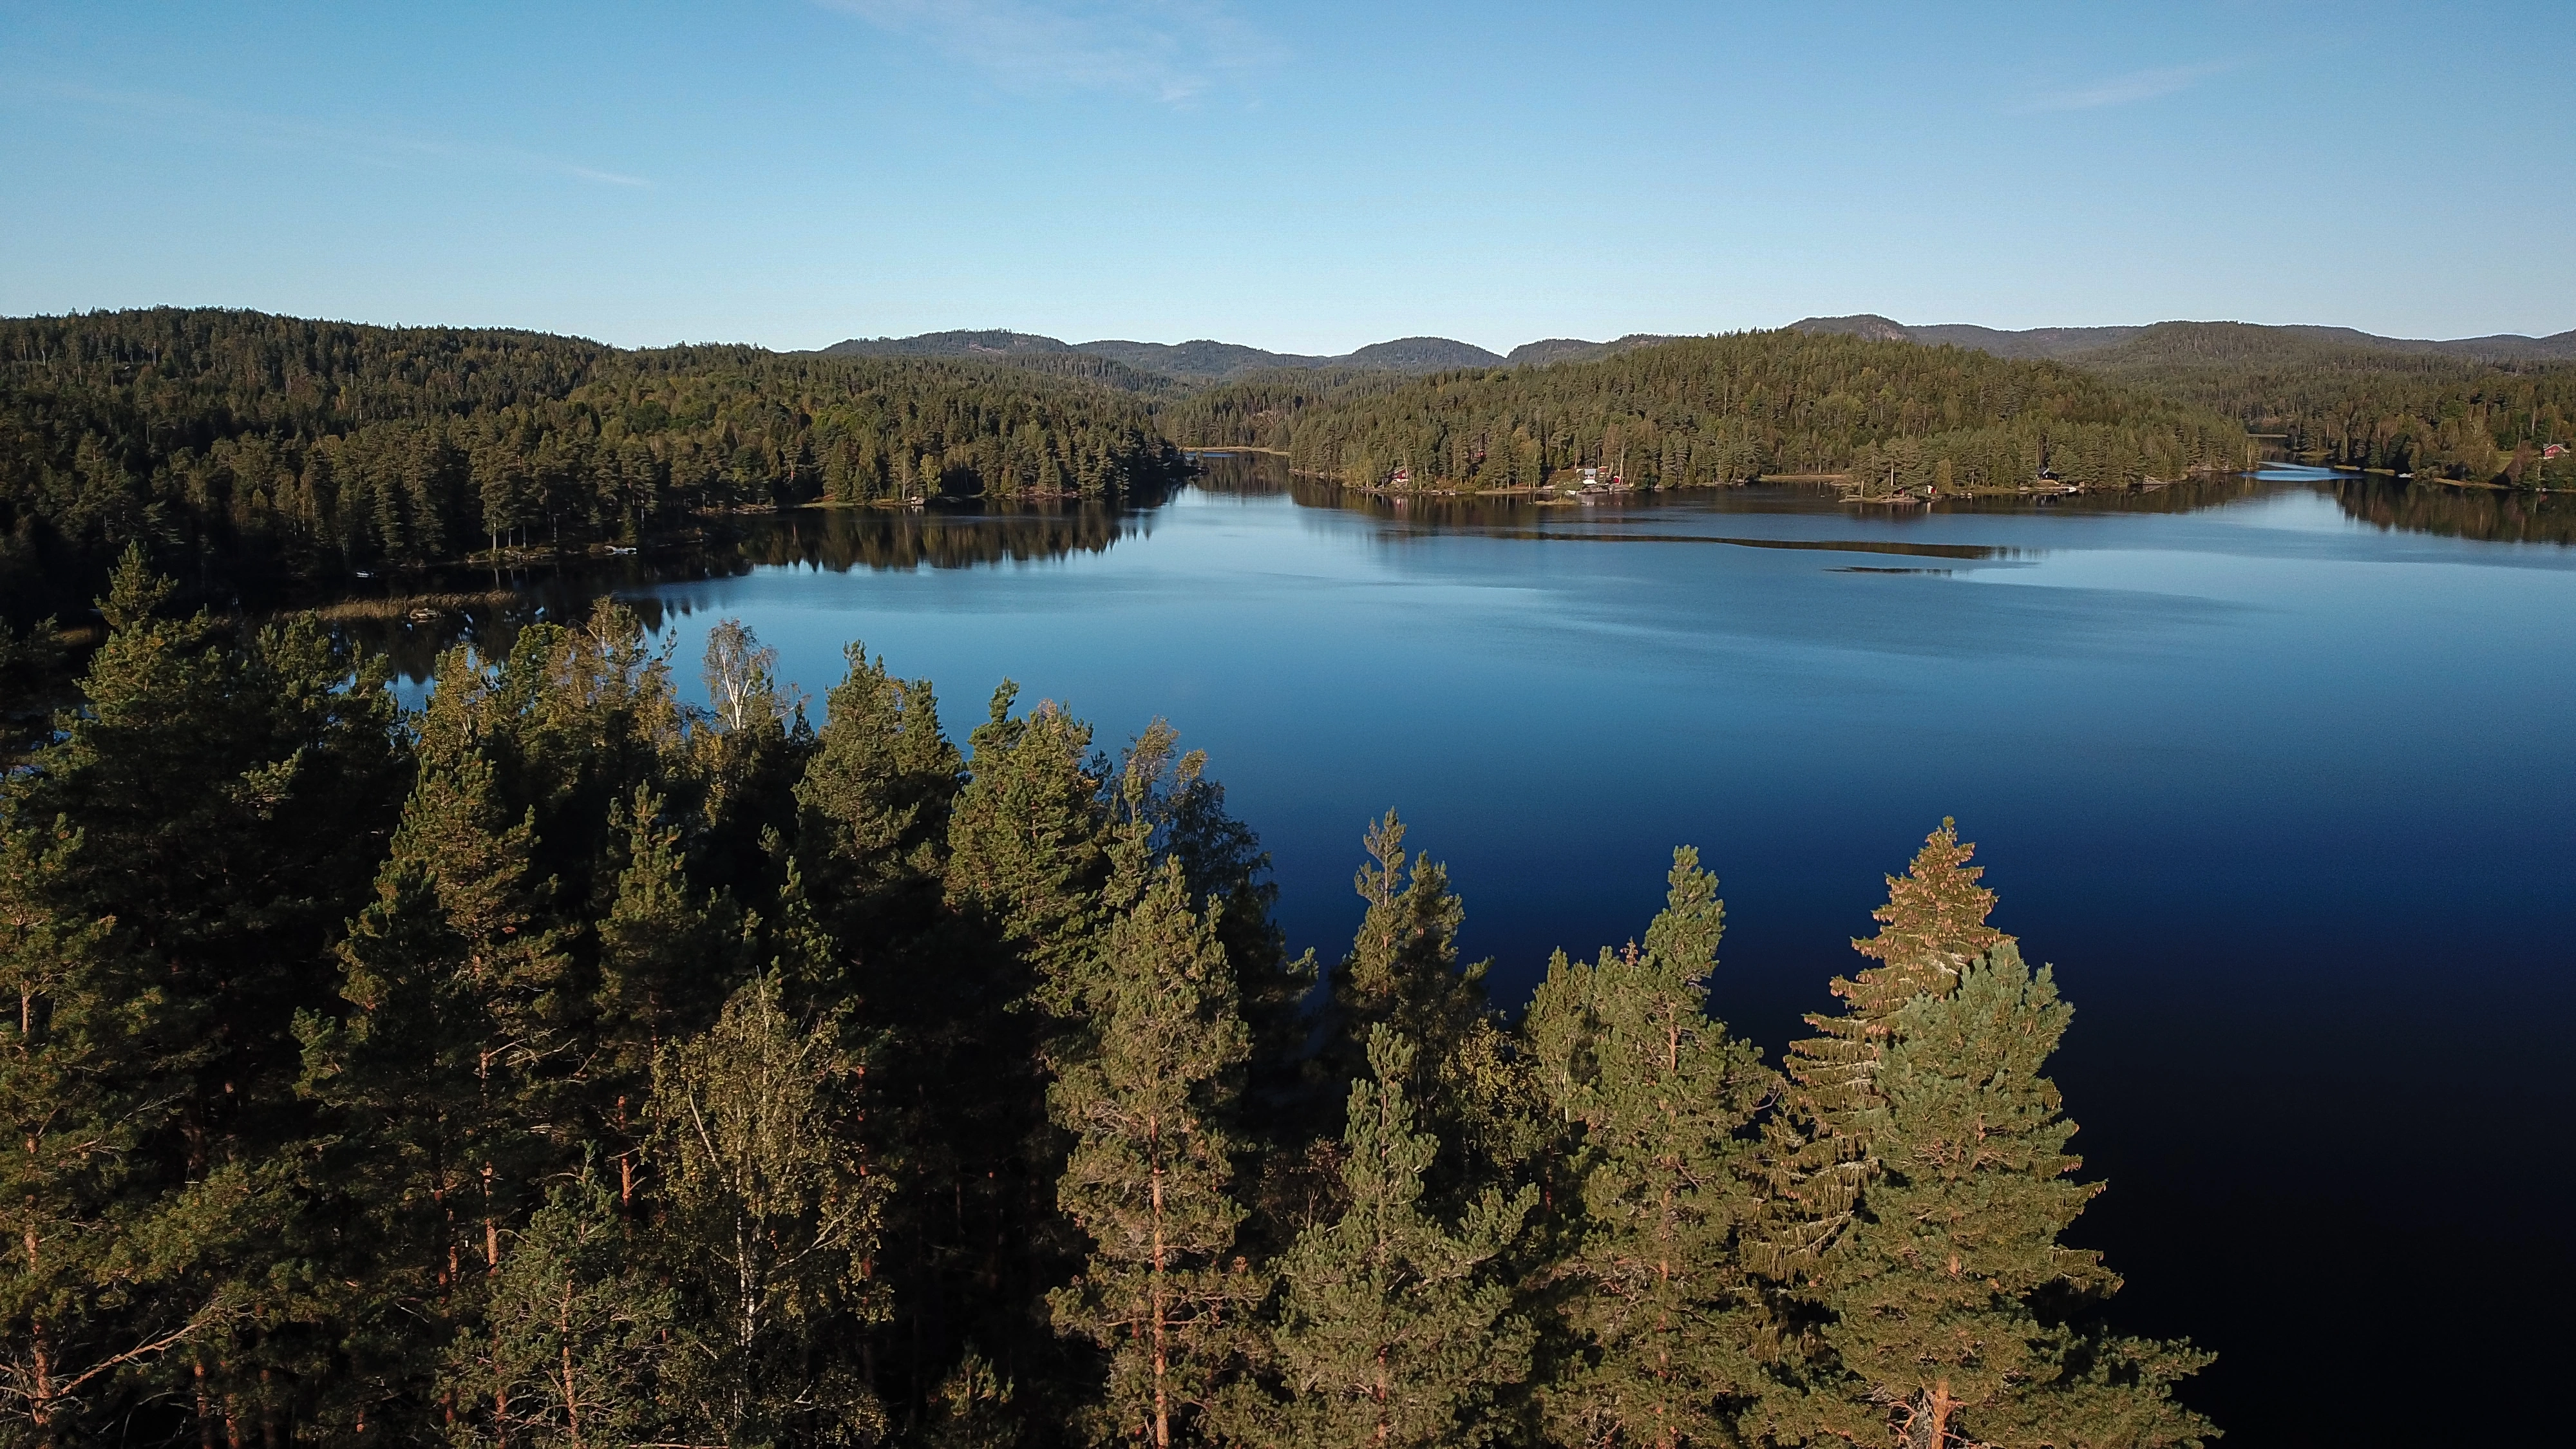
(2431, 414)
(245, 450)
(1716, 410)
(564, 1064)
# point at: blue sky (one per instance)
(1308, 177)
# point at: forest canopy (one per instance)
(1717, 410)
(563, 1063)
(245, 449)
(2432, 414)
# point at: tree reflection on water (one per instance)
(421, 616)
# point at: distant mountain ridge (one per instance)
(1163, 367)
(2190, 341)
(1201, 360)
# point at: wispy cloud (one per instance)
(1169, 49)
(198, 121)
(2143, 85)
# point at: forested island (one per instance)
(566, 1064)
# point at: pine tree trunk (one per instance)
(205, 1410)
(1162, 1399)
(41, 1409)
(572, 1396)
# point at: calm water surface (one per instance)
(2276, 772)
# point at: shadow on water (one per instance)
(420, 616)
(417, 617)
(2484, 515)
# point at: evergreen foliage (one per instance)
(575, 1333)
(1403, 972)
(1146, 1096)
(249, 447)
(563, 1063)
(1955, 1312)
(1933, 924)
(1715, 410)
(2349, 404)
(1665, 1325)
(1395, 1329)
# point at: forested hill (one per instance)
(2476, 409)
(2324, 397)
(1172, 363)
(243, 448)
(1715, 410)
(2241, 340)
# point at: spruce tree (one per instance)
(1955, 1312)
(1395, 1330)
(1149, 1180)
(1665, 1322)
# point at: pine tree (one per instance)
(950, 899)
(770, 1232)
(1403, 971)
(1169, 807)
(1027, 846)
(1149, 1180)
(1950, 1293)
(79, 1315)
(975, 1408)
(1395, 1331)
(1665, 1320)
(573, 1332)
(444, 1078)
(1403, 968)
(1933, 924)
(572, 721)
(668, 958)
(205, 800)
(874, 805)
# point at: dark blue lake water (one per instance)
(2276, 771)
